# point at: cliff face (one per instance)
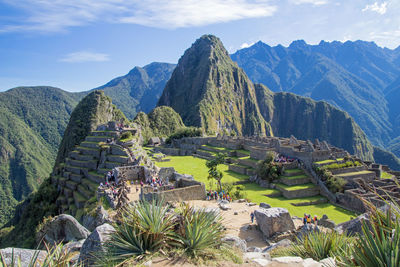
(290, 114)
(93, 110)
(210, 91)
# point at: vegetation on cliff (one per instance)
(95, 109)
(208, 90)
(161, 121)
(32, 122)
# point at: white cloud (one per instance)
(313, 2)
(245, 45)
(378, 8)
(57, 15)
(85, 56)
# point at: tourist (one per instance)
(309, 219)
(208, 195)
(252, 217)
(137, 189)
(315, 220)
(305, 219)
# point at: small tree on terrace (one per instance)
(213, 172)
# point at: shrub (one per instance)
(336, 184)
(318, 246)
(268, 169)
(239, 193)
(126, 136)
(185, 132)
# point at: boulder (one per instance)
(256, 255)
(23, 255)
(273, 220)
(281, 244)
(254, 249)
(91, 221)
(353, 226)
(95, 243)
(265, 205)
(62, 228)
(326, 222)
(328, 262)
(74, 246)
(235, 242)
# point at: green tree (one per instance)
(268, 169)
(213, 172)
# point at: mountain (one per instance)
(209, 90)
(140, 89)
(161, 121)
(290, 114)
(94, 109)
(351, 76)
(32, 122)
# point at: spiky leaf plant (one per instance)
(202, 230)
(146, 227)
(318, 246)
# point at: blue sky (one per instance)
(78, 45)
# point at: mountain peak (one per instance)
(298, 44)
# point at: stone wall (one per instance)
(299, 193)
(346, 170)
(194, 192)
(131, 172)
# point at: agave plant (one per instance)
(146, 227)
(57, 256)
(202, 230)
(319, 245)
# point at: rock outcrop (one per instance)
(273, 220)
(92, 221)
(353, 226)
(235, 241)
(95, 243)
(25, 256)
(62, 228)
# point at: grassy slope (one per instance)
(255, 193)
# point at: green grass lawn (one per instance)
(254, 193)
(301, 176)
(296, 187)
(325, 161)
(293, 171)
(386, 175)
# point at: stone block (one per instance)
(273, 220)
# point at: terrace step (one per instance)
(96, 177)
(248, 162)
(89, 144)
(299, 191)
(91, 164)
(85, 192)
(366, 175)
(105, 133)
(201, 157)
(112, 164)
(82, 157)
(76, 177)
(73, 169)
(71, 185)
(103, 171)
(67, 192)
(309, 203)
(73, 154)
(204, 153)
(90, 185)
(348, 170)
(116, 158)
(293, 172)
(294, 180)
(89, 151)
(98, 138)
(238, 168)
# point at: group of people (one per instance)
(307, 219)
(283, 159)
(214, 195)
